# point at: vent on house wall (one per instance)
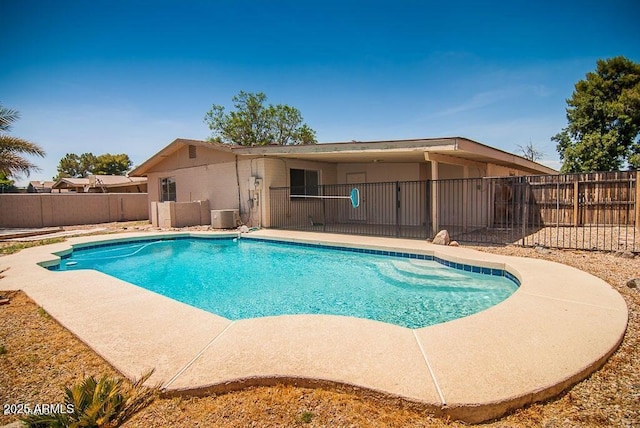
(192, 151)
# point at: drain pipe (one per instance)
(238, 184)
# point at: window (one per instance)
(168, 189)
(304, 182)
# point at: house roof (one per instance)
(102, 180)
(456, 149)
(41, 184)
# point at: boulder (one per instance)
(454, 244)
(442, 238)
(543, 250)
(633, 283)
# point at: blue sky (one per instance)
(131, 76)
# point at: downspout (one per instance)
(238, 184)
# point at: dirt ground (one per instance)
(38, 358)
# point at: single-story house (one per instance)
(251, 179)
(40, 186)
(102, 184)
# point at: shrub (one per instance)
(106, 402)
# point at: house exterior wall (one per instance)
(212, 176)
(276, 174)
(494, 170)
(373, 196)
(222, 178)
(380, 172)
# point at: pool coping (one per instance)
(557, 328)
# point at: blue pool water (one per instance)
(249, 278)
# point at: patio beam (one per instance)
(452, 160)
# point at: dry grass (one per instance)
(13, 247)
(41, 357)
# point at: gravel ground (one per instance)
(38, 358)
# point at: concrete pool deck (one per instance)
(558, 327)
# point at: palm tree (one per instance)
(12, 148)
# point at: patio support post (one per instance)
(465, 196)
(434, 196)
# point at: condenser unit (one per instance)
(224, 219)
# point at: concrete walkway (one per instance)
(558, 327)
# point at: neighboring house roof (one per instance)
(41, 185)
(457, 149)
(101, 181)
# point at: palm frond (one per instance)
(11, 160)
(9, 143)
(7, 117)
(12, 165)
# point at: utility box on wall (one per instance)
(224, 219)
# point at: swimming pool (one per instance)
(249, 278)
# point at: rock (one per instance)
(442, 238)
(542, 250)
(627, 255)
(633, 283)
(454, 244)
(244, 229)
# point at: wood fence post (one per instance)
(637, 204)
(576, 185)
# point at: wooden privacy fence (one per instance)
(592, 211)
(604, 198)
(597, 211)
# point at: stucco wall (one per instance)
(276, 173)
(380, 172)
(180, 214)
(503, 171)
(66, 209)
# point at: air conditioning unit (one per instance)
(224, 219)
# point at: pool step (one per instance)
(435, 280)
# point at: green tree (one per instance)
(69, 166)
(74, 166)
(604, 119)
(13, 149)
(7, 185)
(254, 124)
(108, 164)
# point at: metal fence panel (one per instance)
(580, 211)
